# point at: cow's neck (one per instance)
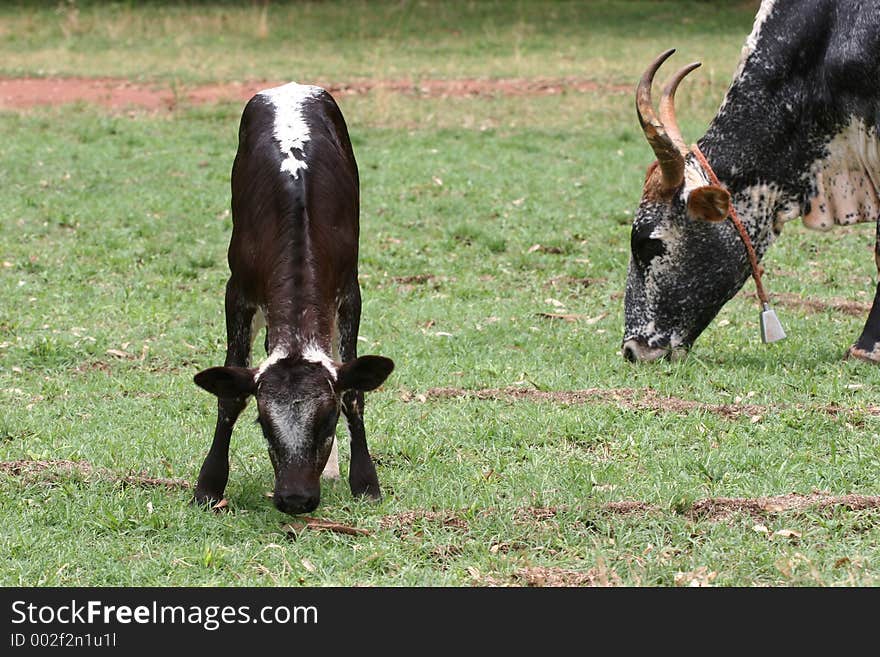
(313, 331)
(787, 148)
(301, 309)
(828, 176)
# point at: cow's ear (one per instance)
(364, 373)
(709, 203)
(227, 382)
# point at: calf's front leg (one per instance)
(214, 473)
(362, 477)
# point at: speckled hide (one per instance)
(846, 182)
(796, 136)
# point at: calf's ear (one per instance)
(364, 373)
(227, 382)
(709, 203)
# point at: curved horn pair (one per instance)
(663, 134)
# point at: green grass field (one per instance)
(113, 232)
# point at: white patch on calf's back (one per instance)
(291, 130)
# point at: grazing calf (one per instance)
(293, 262)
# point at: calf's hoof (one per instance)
(861, 354)
(369, 490)
(208, 500)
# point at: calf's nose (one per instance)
(296, 502)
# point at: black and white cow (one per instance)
(796, 136)
(293, 260)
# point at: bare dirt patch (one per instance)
(535, 514)
(122, 94)
(631, 398)
(554, 577)
(24, 93)
(557, 281)
(721, 507)
(718, 508)
(853, 308)
(811, 305)
(415, 279)
(712, 509)
(406, 520)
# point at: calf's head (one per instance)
(298, 401)
(685, 260)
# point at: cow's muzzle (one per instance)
(635, 350)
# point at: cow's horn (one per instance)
(668, 155)
(667, 108)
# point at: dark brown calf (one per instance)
(293, 261)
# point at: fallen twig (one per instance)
(302, 523)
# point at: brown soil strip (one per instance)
(628, 506)
(121, 94)
(719, 507)
(415, 279)
(713, 508)
(571, 280)
(35, 469)
(639, 399)
(709, 509)
(535, 514)
(632, 398)
(853, 308)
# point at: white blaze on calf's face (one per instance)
(295, 403)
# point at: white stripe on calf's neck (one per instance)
(311, 353)
(277, 354)
(314, 354)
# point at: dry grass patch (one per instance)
(53, 469)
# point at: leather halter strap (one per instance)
(757, 270)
